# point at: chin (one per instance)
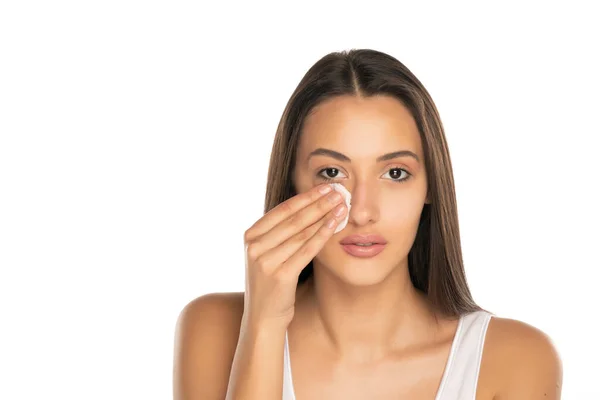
(355, 271)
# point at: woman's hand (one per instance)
(279, 245)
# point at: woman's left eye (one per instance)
(396, 173)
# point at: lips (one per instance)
(362, 240)
(363, 246)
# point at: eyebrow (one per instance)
(341, 157)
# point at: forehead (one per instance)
(361, 127)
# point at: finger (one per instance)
(285, 210)
(296, 223)
(294, 265)
(275, 257)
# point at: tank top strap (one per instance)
(288, 385)
(460, 381)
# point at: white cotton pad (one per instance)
(338, 187)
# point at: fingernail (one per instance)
(339, 210)
(325, 189)
(334, 197)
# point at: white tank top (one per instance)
(459, 381)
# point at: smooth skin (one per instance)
(358, 329)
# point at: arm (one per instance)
(533, 368)
(257, 371)
(205, 337)
(216, 357)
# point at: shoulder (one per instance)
(206, 336)
(213, 308)
(523, 360)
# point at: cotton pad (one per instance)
(338, 187)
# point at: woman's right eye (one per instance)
(329, 173)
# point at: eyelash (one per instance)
(327, 179)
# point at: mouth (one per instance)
(363, 245)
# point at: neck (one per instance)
(363, 323)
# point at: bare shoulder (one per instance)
(206, 336)
(523, 361)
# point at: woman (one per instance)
(380, 309)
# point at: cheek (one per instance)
(302, 181)
(401, 211)
(400, 222)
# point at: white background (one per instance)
(134, 145)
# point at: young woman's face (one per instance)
(353, 139)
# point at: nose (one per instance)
(365, 209)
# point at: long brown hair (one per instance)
(435, 259)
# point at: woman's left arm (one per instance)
(531, 364)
